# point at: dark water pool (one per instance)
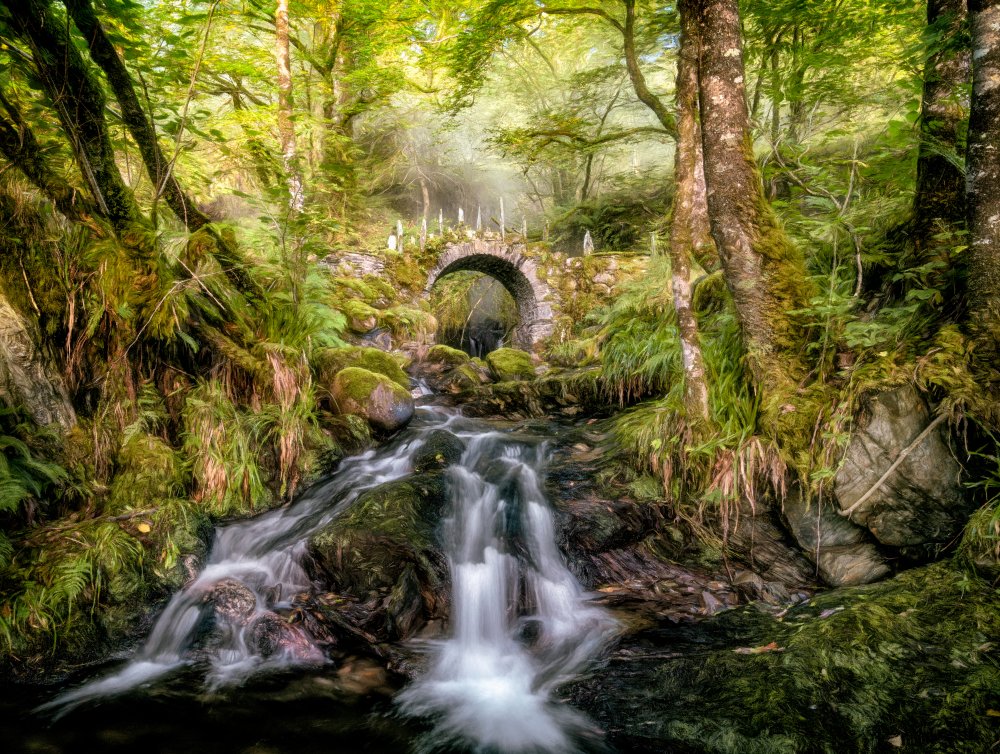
(294, 714)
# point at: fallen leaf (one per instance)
(896, 741)
(772, 647)
(143, 527)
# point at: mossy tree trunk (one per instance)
(940, 191)
(141, 127)
(79, 104)
(286, 127)
(689, 227)
(764, 272)
(158, 167)
(983, 185)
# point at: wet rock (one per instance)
(405, 605)
(233, 601)
(445, 357)
(921, 502)
(441, 449)
(571, 389)
(267, 633)
(841, 549)
(511, 364)
(460, 379)
(329, 361)
(383, 550)
(384, 404)
(361, 317)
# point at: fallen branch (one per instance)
(895, 465)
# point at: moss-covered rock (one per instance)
(387, 406)
(511, 364)
(361, 317)
(329, 361)
(384, 549)
(445, 357)
(850, 670)
(441, 449)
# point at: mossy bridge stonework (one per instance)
(553, 292)
(517, 270)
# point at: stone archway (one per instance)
(509, 265)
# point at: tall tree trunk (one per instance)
(940, 193)
(79, 103)
(139, 125)
(689, 226)
(983, 184)
(286, 128)
(764, 272)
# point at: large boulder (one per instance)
(383, 403)
(361, 317)
(841, 550)
(443, 357)
(329, 361)
(440, 450)
(511, 364)
(921, 503)
(383, 550)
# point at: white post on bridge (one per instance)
(461, 216)
(479, 219)
(588, 244)
(441, 222)
(524, 228)
(399, 228)
(423, 233)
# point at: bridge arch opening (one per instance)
(475, 312)
(512, 269)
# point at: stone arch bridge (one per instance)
(511, 266)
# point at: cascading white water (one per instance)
(520, 622)
(263, 554)
(488, 685)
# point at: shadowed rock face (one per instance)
(25, 377)
(509, 265)
(921, 502)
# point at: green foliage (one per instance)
(223, 440)
(23, 476)
(618, 221)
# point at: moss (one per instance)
(388, 529)
(329, 361)
(360, 316)
(847, 671)
(357, 384)
(441, 449)
(385, 404)
(509, 364)
(446, 356)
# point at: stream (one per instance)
(520, 625)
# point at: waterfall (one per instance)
(520, 622)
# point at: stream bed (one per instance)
(562, 622)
